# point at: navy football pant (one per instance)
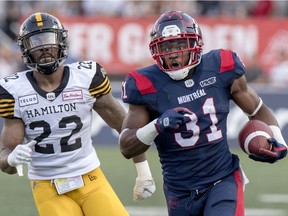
(225, 197)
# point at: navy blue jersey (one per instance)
(194, 162)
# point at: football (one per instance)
(253, 137)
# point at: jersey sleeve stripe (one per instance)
(3, 106)
(102, 89)
(105, 83)
(6, 109)
(227, 61)
(7, 103)
(6, 114)
(144, 85)
(101, 92)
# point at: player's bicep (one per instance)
(110, 110)
(136, 117)
(244, 96)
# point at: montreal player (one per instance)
(47, 113)
(181, 104)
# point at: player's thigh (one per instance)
(226, 198)
(100, 199)
(48, 202)
(176, 202)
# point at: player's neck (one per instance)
(50, 82)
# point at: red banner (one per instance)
(121, 45)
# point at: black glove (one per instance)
(278, 152)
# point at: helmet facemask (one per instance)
(176, 44)
(43, 45)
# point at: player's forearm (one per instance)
(130, 145)
(4, 166)
(139, 158)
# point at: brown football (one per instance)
(253, 136)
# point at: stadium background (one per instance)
(116, 34)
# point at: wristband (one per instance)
(143, 170)
(10, 160)
(277, 134)
(147, 133)
(257, 109)
(120, 135)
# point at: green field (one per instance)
(16, 198)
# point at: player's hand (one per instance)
(171, 120)
(143, 189)
(22, 154)
(277, 152)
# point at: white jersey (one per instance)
(60, 121)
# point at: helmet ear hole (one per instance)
(42, 31)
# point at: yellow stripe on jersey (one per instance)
(38, 18)
(4, 101)
(102, 89)
(7, 107)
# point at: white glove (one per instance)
(22, 154)
(144, 185)
(143, 189)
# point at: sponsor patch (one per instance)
(207, 82)
(28, 100)
(72, 95)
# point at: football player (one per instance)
(47, 113)
(181, 104)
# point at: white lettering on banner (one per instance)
(95, 41)
(77, 37)
(242, 39)
(133, 43)
(100, 41)
(279, 42)
(91, 41)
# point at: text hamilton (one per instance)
(51, 109)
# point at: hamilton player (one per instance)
(47, 113)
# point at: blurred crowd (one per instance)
(12, 11)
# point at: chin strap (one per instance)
(48, 69)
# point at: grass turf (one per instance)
(16, 197)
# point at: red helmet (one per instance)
(176, 35)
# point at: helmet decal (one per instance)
(171, 30)
(38, 18)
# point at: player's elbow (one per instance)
(126, 153)
(130, 146)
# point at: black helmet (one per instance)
(176, 27)
(42, 31)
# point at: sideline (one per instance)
(161, 211)
(274, 198)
